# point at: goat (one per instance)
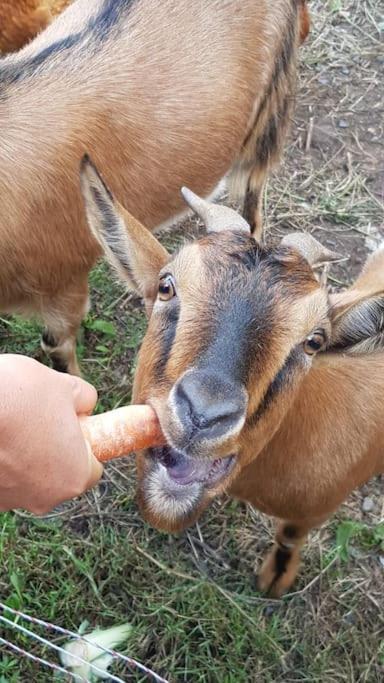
(22, 20)
(161, 92)
(265, 385)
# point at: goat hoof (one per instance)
(278, 572)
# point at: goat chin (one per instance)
(167, 506)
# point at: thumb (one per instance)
(84, 395)
(95, 468)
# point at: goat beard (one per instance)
(168, 512)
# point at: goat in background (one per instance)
(162, 93)
(22, 20)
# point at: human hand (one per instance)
(44, 458)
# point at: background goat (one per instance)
(162, 93)
(22, 20)
(265, 387)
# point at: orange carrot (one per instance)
(122, 431)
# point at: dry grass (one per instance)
(190, 598)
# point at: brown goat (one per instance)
(22, 20)
(162, 93)
(265, 387)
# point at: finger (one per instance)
(84, 394)
(95, 468)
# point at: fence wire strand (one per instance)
(21, 629)
(39, 660)
(132, 663)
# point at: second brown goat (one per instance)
(162, 93)
(22, 20)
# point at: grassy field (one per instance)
(195, 614)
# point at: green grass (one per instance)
(190, 598)
(109, 338)
(193, 620)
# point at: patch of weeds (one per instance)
(85, 564)
(105, 327)
(354, 531)
(335, 5)
(9, 669)
(19, 336)
(381, 653)
(186, 627)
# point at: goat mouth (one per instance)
(184, 470)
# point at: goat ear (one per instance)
(369, 284)
(357, 314)
(132, 250)
(312, 250)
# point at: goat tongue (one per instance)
(184, 470)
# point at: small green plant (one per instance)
(15, 599)
(346, 531)
(378, 536)
(336, 5)
(8, 669)
(106, 328)
(381, 653)
(366, 536)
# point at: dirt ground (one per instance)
(190, 598)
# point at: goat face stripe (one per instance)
(165, 338)
(236, 341)
(281, 380)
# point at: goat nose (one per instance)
(210, 404)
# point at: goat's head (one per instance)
(233, 327)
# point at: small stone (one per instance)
(381, 558)
(345, 70)
(270, 610)
(367, 505)
(343, 123)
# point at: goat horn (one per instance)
(216, 217)
(312, 250)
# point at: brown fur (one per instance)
(22, 20)
(301, 469)
(305, 20)
(140, 105)
(313, 428)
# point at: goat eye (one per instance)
(167, 289)
(315, 342)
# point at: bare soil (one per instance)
(190, 597)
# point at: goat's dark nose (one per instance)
(208, 405)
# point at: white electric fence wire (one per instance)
(40, 639)
(133, 664)
(39, 660)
